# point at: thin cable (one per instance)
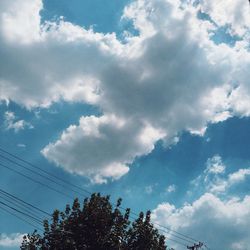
(173, 235)
(176, 232)
(168, 232)
(20, 218)
(24, 202)
(36, 181)
(23, 213)
(69, 183)
(167, 228)
(20, 207)
(36, 173)
(38, 220)
(44, 171)
(29, 205)
(176, 241)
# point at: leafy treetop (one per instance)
(96, 225)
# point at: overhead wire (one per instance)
(20, 218)
(45, 172)
(31, 216)
(72, 197)
(54, 179)
(36, 181)
(168, 232)
(17, 205)
(24, 202)
(23, 213)
(37, 173)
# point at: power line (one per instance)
(36, 181)
(20, 218)
(176, 232)
(23, 202)
(39, 174)
(23, 213)
(44, 171)
(17, 205)
(16, 201)
(173, 235)
(170, 231)
(51, 177)
(176, 241)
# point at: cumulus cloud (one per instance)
(11, 122)
(52, 61)
(11, 240)
(234, 14)
(169, 78)
(209, 216)
(148, 89)
(98, 147)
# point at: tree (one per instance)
(142, 235)
(95, 225)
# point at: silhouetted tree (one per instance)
(95, 225)
(142, 235)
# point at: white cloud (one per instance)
(215, 165)
(11, 240)
(11, 122)
(209, 216)
(147, 90)
(171, 188)
(20, 20)
(211, 179)
(238, 176)
(233, 13)
(170, 78)
(214, 178)
(52, 61)
(98, 147)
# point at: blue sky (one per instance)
(147, 100)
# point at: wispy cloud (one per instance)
(171, 188)
(11, 122)
(216, 180)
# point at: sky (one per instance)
(148, 100)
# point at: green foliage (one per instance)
(96, 225)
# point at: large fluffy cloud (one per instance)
(220, 224)
(42, 64)
(98, 147)
(169, 78)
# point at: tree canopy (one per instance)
(96, 225)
